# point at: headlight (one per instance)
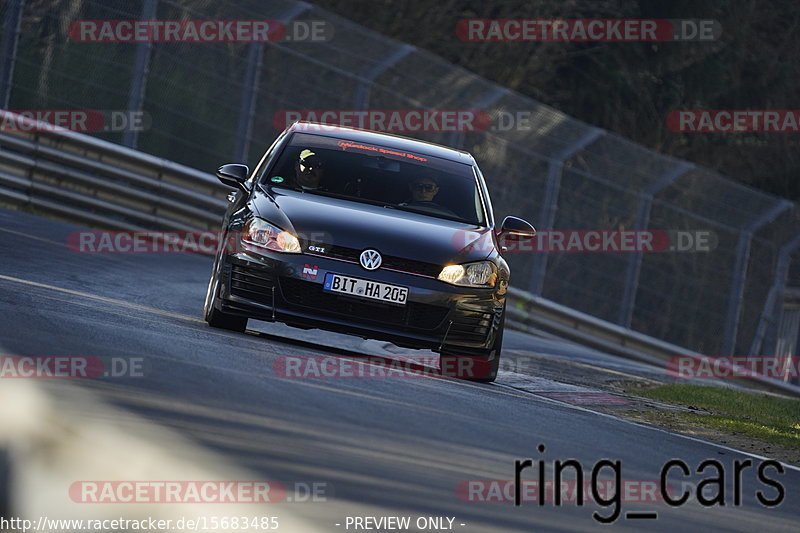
(481, 274)
(261, 233)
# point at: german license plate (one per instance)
(363, 288)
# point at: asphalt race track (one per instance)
(382, 446)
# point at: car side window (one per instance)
(262, 165)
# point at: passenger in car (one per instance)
(423, 191)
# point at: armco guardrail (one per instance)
(527, 312)
(87, 180)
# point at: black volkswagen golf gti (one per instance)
(369, 234)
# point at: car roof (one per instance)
(383, 139)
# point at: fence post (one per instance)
(244, 129)
(740, 275)
(363, 90)
(642, 222)
(8, 50)
(252, 76)
(489, 98)
(550, 202)
(141, 69)
(771, 311)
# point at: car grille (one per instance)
(390, 262)
(252, 283)
(311, 295)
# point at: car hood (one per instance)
(321, 220)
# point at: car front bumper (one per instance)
(289, 288)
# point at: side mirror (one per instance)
(513, 230)
(233, 175)
(516, 228)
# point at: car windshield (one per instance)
(377, 175)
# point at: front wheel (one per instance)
(215, 317)
(478, 368)
(218, 319)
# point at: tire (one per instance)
(496, 351)
(482, 368)
(215, 317)
(218, 319)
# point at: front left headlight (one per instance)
(479, 274)
(259, 232)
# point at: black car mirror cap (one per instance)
(233, 175)
(517, 228)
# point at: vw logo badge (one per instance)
(370, 259)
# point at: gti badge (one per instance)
(370, 259)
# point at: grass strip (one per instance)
(763, 416)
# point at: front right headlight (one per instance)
(261, 233)
(479, 274)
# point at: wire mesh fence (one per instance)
(207, 103)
